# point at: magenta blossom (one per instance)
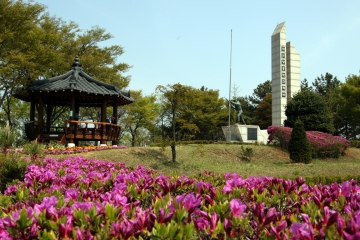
(237, 207)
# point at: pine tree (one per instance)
(299, 146)
(313, 111)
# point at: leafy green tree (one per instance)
(205, 110)
(311, 109)
(61, 42)
(299, 146)
(257, 108)
(173, 98)
(263, 112)
(260, 92)
(328, 86)
(98, 62)
(139, 116)
(349, 110)
(324, 85)
(45, 46)
(305, 85)
(18, 44)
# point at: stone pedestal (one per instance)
(70, 145)
(246, 133)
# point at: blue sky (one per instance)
(188, 42)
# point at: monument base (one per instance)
(245, 133)
(70, 145)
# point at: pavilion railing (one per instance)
(83, 130)
(31, 130)
(76, 130)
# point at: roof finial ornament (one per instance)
(76, 62)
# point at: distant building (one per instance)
(285, 68)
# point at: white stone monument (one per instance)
(246, 133)
(285, 69)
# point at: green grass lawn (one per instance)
(222, 158)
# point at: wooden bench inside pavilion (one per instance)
(74, 89)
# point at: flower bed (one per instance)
(64, 150)
(55, 151)
(90, 199)
(323, 144)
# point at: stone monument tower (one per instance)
(285, 68)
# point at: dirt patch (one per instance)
(353, 153)
(272, 153)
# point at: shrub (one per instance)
(5, 201)
(328, 180)
(246, 153)
(279, 136)
(323, 145)
(11, 168)
(299, 146)
(34, 149)
(355, 143)
(7, 138)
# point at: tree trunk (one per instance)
(173, 144)
(173, 151)
(133, 140)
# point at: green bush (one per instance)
(246, 153)
(34, 149)
(328, 180)
(7, 138)
(355, 143)
(11, 168)
(5, 201)
(323, 145)
(299, 146)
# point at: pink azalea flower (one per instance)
(237, 207)
(11, 189)
(71, 194)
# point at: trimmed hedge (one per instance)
(328, 180)
(167, 143)
(355, 143)
(161, 144)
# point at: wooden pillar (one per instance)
(32, 110)
(115, 111)
(103, 116)
(41, 116)
(77, 110)
(48, 116)
(72, 107)
(71, 117)
(103, 110)
(115, 115)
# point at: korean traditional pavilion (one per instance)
(74, 89)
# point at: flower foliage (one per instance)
(323, 145)
(90, 199)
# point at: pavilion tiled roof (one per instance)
(76, 80)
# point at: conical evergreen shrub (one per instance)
(299, 146)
